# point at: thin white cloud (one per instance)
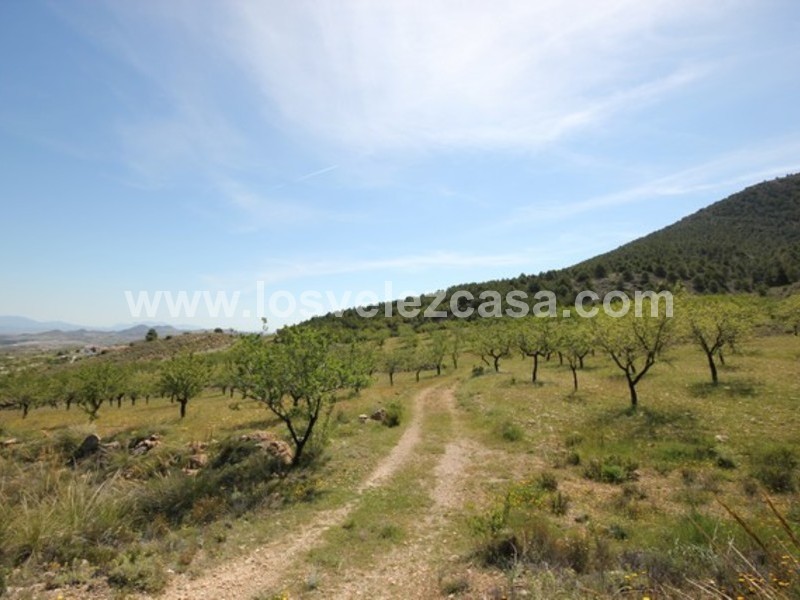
(728, 172)
(317, 173)
(400, 74)
(263, 211)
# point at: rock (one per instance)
(278, 449)
(720, 439)
(144, 446)
(10, 442)
(271, 445)
(111, 446)
(89, 446)
(363, 418)
(379, 415)
(197, 461)
(258, 437)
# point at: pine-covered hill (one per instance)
(748, 242)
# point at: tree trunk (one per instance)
(721, 357)
(496, 364)
(119, 402)
(580, 361)
(713, 367)
(560, 359)
(634, 396)
(438, 369)
(535, 368)
(391, 378)
(300, 443)
(417, 376)
(574, 378)
(25, 408)
(183, 406)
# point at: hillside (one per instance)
(748, 242)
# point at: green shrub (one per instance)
(138, 572)
(611, 469)
(559, 504)
(547, 482)
(394, 414)
(725, 462)
(775, 467)
(511, 432)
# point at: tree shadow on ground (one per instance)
(734, 388)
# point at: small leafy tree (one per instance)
(296, 375)
(492, 339)
(66, 387)
(713, 323)
(97, 383)
(151, 335)
(437, 349)
(140, 383)
(633, 343)
(535, 337)
(574, 342)
(23, 389)
(182, 378)
(395, 361)
(361, 358)
(456, 341)
(789, 312)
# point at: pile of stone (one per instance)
(271, 445)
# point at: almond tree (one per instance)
(574, 342)
(535, 337)
(712, 324)
(633, 343)
(183, 378)
(98, 383)
(23, 389)
(493, 339)
(789, 312)
(296, 376)
(395, 360)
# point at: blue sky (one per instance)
(335, 146)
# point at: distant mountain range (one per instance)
(18, 331)
(16, 325)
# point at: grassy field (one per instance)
(644, 486)
(555, 493)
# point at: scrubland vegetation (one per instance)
(623, 457)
